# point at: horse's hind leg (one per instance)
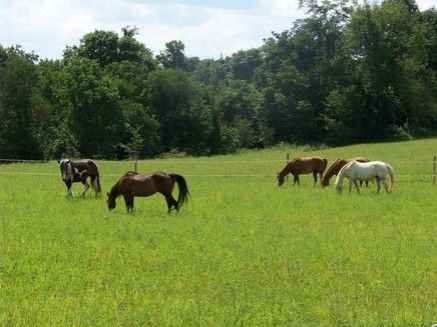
(385, 183)
(171, 202)
(87, 186)
(378, 184)
(95, 185)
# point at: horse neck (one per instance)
(341, 175)
(331, 171)
(286, 170)
(114, 192)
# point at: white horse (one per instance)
(356, 171)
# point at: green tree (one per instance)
(244, 63)
(177, 101)
(18, 80)
(95, 116)
(107, 47)
(173, 56)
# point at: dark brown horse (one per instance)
(337, 165)
(303, 165)
(132, 184)
(79, 171)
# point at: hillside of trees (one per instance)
(347, 73)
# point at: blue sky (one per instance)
(208, 28)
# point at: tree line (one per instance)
(347, 73)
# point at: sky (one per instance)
(208, 28)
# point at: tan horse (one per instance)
(337, 165)
(132, 184)
(303, 165)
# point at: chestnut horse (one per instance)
(337, 165)
(303, 165)
(132, 184)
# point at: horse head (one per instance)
(65, 166)
(280, 178)
(325, 182)
(110, 201)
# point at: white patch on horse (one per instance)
(80, 173)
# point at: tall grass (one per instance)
(242, 252)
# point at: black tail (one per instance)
(99, 188)
(183, 189)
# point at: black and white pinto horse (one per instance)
(79, 171)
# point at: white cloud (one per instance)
(47, 26)
(55, 17)
(426, 4)
(282, 7)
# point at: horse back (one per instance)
(359, 159)
(306, 165)
(144, 185)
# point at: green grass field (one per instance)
(243, 252)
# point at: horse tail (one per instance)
(392, 176)
(96, 181)
(183, 189)
(326, 164)
(98, 188)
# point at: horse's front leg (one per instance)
(315, 178)
(356, 185)
(350, 185)
(129, 201)
(297, 180)
(69, 191)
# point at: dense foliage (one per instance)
(347, 73)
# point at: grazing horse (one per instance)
(79, 171)
(132, 184)
(355, 171)
(303, 165)
(337, 165)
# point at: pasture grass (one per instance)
(242, 252)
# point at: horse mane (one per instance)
(114, 190)
(331, 170)
(287, 167)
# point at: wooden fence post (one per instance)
(135, 166)
(434, 170)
